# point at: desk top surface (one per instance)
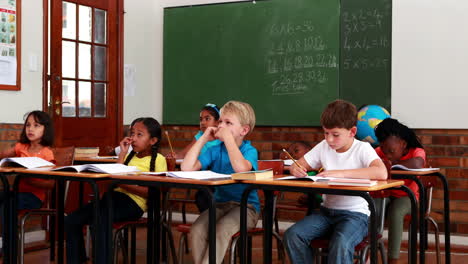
(157, 178)
(381, 185)
(47, 171)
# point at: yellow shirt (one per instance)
(143, 164)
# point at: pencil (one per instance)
(169, 140)
(320, 170)
(295, 162)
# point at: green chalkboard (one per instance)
(365, 61)
(281, 56)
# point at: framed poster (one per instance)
(10, 44)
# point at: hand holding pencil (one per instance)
(296, 169)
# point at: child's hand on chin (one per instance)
(210, 133)
(223, 133)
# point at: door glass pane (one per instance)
(100, 26)
(84, 93)
(68, 59)
(84, 61)
(85, 20)
(99, 98)
(69, 20)
(100, 63)
(68, 98)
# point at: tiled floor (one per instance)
(459, 252)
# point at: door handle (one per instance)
(57, 102)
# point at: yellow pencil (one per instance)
(169, 140)
(320, 170)
(289, 155)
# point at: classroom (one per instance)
(426, 89)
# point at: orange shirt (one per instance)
(412, 153)
(46, 153)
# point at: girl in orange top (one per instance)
(398, 145)
(35, 141)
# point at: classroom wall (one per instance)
(429, 63)
(14, 104)
(428, 72)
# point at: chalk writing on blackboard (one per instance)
(297, 59)
(364, 34)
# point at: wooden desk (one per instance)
(60, 177)
(413, 175)
(154, 205)
(269, 186)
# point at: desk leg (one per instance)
(412, 254)
(243, 224)
(60, 219)
(96, 221)
(373, 226)
(153, 243)
(7, 241)
(422, 213)
(14, 220)
(268, 226)
(211, 226)
(446, 216)
(108, 225)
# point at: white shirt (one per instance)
(360, 155)
(117, 150)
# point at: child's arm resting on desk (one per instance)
(191, 162)
(375, 171)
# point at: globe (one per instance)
(368, 118)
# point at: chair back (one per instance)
(276, 165)
(64, 156)
(428, 183)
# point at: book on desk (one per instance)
(110, 168)
(27, 162)
(402, 167)
(253, 175)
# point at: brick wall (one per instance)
(446, 148)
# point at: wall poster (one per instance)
(10, 44)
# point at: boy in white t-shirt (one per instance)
(345, 218)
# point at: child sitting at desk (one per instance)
(233, 155)
(398, 145)
(209, 116)
(129, 201)
(36, 138)
(344, 217)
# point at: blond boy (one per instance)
(234, 154)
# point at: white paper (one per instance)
(28, 162)
(198, 175)
(401, 167)
(129, 80)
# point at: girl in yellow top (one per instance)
(129, 201)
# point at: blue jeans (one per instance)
(124, 209)
(346, 229)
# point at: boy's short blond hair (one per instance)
(339, 114)
(242, 110)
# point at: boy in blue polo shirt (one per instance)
(234, 155)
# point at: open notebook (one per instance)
(27, 162)
(111, 168)
(401, 167)
(197, 175)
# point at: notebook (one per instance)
(402, 167)
(111, 168)
(253, 175)
(27, 162)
